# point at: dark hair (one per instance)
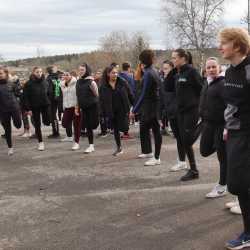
(186, 54)
(88, 70)
(146, 57)
(169, 63)
(105, 78)
(32, 76)
(126, 66)
(114, 64)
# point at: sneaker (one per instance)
(3, 135)
(67, 139)
(10, 151)
(232, 203)
(126, 137)
(152, 162)
(181, 165)
(26, 135)
(90, 149)
(75, 146)
(190, 175)
(33, 136)
(136, 124)
(143, 156)
(41, 146)
(53, 136)
(118, 151)
(60, 122)
(217, 191)
(103, 135)
(241, 242)
(236, 210)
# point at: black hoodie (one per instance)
(8, 100)
(237, 96)
(36, 93)
(188, 88)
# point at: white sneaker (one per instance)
(181, 165)
(217, 191)
(41, 146)
(75, 146)
(232, 203)
(60, 122)
(26, 135)
(90, 149)
(67, 139)
(152, 162)
(10, 151)
(143, 156)
(136, 124)
(235, 210)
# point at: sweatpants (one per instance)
(36, 114)
(6, 118)
(145, 127)
(54, 122)
(212, 141)
(70, 118)
(187, 123)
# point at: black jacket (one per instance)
(106, 98)
(36, 94)
(85, 95)
(212, 105)
(169, 87)
(8, 99)
(51, 89)
(188, 88)
(237, 98)
(149, 101)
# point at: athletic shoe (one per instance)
(126, 137)
(60, 122)
(241, 242)
(236, 210)
(190, 175)
(67, 139)
(118, 151)
(217, 191)
(10, 151)
(33, 136)
(75, 146)
(90, 149)
(232, 203)
(181, 165)
(152, 162)
(41, 146)
(53, 136)
(136, 124)
(3, 135)
(143, 156)
(26, 135)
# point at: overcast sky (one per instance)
(60, 26)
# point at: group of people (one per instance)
(217, 107)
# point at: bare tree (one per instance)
(117, 44)
(193, 23)
(138, 42)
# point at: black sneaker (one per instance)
(190, 175)
(54, 136)
(3, 135)
(118, 152)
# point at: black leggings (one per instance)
(36, 114)
(145, 127)
(244, 201)
(180, 146)
(187, 124)
(6, 122)
(212, 141)
(115, 125)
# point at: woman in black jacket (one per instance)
(115, 99)
(235, 47)
(212, 107)
(9, 107)
(188, 84)
(149, 106)
(37, 102)
(88, 98)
